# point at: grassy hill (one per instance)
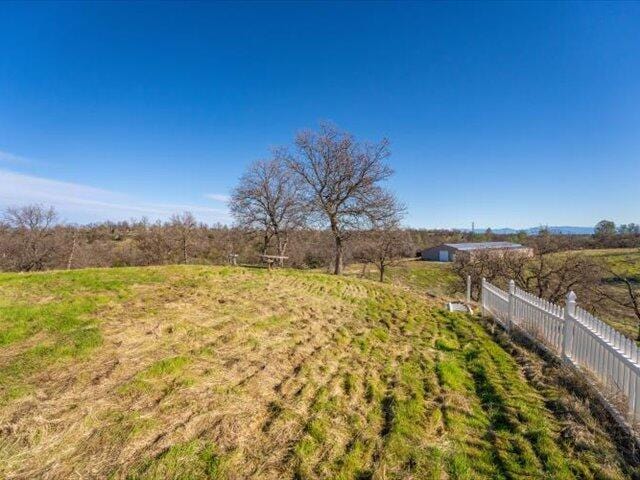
(434, 279)
(438, 279)
(212, 372)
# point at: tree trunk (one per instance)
(382, 272)
(282, 248)
(337, 269)
(184, 250)
(73, 250)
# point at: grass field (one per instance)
(625, 261)
(212, 372)
(433, 279)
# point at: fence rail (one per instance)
(599, 351)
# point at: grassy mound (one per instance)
(198, 372)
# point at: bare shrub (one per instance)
(29, 240)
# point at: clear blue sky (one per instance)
(503, 114)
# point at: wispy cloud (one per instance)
(86, 203)
(218, 197)
(6, 157)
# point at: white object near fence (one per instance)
(598, 350)
(468, 288)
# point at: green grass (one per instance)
(624, 261)
(58, 309)
(208, 372)
(183, 461)
(434, 278)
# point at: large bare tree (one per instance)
(342, 180)
(268, 200)
(32, 228)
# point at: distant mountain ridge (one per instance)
(564, 230)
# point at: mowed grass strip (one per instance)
(211, 372)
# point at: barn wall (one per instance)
(432, 254)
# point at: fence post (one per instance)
(512, 303)
(482, 297)
(468, 288)
(567, 327)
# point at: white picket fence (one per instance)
(599, 351)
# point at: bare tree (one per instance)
(184, 225)
(268, 200)
(628, 297)
(32, 229)
(548, 274)
(483, 264)
(553, 275)
(154, 243)
(341, 178)
(387, 244)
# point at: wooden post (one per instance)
(482, 299)
(468, 288)
(512, 304)
(567, 327)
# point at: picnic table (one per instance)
(271, 259)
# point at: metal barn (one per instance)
(447, 252)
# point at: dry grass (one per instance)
(196, 372)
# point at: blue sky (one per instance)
(506, 114)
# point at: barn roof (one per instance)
(483, 245)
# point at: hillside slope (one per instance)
(201, 372)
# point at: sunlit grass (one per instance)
(200, 372)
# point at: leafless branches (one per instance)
(384, 248)
(341, 179)
(184, 226)
(547, 274)
(268, 199)
(30, 244)
(627, 297)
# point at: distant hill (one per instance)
(564, 230)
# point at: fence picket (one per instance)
(575, 334)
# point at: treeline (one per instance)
(621, 237)
(32, 238)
